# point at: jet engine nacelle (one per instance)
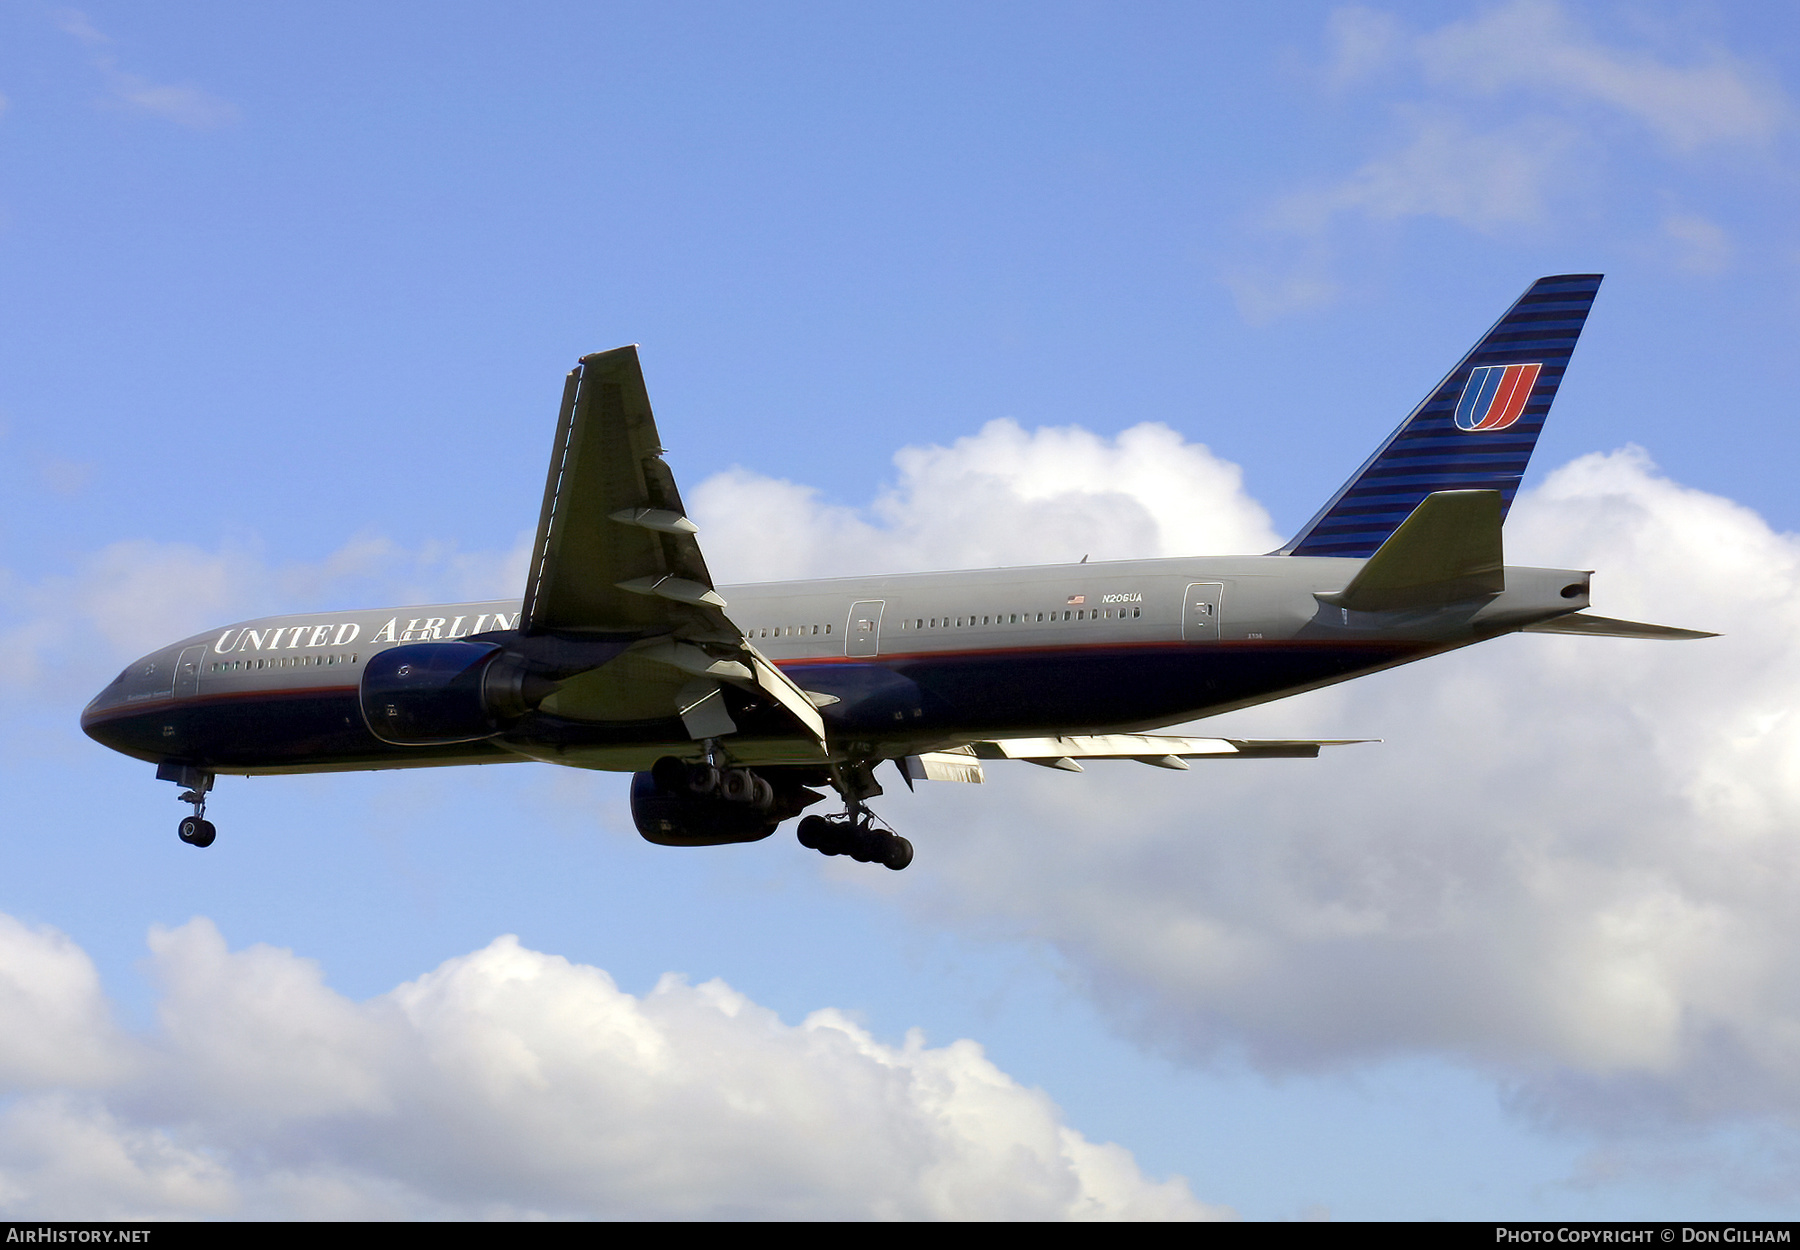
(429, 693)
(677, 815)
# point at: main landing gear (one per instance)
(854, 833)
(195, 830)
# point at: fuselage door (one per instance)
(1200, 611)
(862, 632)
(187, 672)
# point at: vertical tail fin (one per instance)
(1476, 429)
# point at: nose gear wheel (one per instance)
(195, 830)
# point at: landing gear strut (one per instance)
(854, 833)
(195, 830)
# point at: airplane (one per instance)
(735, 707)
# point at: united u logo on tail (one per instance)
(1505, 382)
(1495, 396)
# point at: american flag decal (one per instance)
(1495, 397)
(1077, 598)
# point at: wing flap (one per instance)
(776, 684)
(954, 765)
(1158, 750)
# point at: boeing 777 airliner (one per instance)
(736, 706)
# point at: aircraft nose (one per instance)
(96, 725)
(107, 719)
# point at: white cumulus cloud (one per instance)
(508, 1083)
(1006, 495)
(1569, 864)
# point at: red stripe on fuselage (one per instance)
(1097, 648)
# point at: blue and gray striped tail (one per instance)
(1475, 431)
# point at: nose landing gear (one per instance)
(195, 830)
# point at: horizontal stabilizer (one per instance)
(1606, 627)
(1447, 551)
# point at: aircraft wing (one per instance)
(616, 554)
(615, 551)
(1158, 750)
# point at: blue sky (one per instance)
(287, 301)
